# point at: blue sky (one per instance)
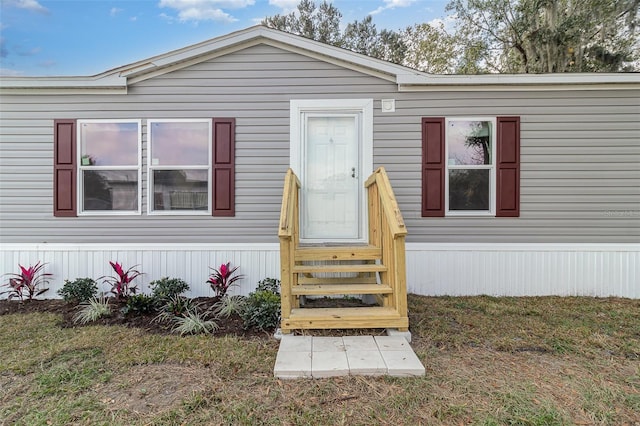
(87, 37)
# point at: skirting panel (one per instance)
(432, 269)
(190, 262)
(598, 270)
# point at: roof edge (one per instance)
(603, 80)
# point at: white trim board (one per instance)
(433, 269)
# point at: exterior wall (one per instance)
(580, 180)
(433, 269)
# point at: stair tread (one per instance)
(339, 268)
(326, 289)
(344, 313)
(366, 252)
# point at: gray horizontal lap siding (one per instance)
(580, 154)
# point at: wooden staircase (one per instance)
(377, 268)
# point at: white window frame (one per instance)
(80, 168)
(491, 167)
(151, 168)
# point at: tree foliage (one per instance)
(543, 36)
(322, 23)
(507, 36)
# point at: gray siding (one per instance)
(580, 154)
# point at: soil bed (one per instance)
(231, 326)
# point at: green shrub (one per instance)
(269, 284)
(139, 304)
(78, 291)
(262, 310)
(166, 288)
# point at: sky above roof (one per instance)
(87, 37)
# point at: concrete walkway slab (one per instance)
(317, 357)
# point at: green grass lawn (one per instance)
(489, 361)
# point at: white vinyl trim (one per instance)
(433, 269)
(491, 167)
(79, 169)
(150, 168)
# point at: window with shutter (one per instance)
(191, 166)
(471, 166)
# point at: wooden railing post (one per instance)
(288, 235)
(387, 231)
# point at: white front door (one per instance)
(332, 154)
(330, 176)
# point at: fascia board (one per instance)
(100, 82)
(518, 81)
(253, 35)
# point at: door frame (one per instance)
(363, 107)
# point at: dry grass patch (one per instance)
(489, 361)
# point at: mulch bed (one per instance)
(231, 326)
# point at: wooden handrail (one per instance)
(289, 201)
(388, 201)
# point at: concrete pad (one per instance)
(328, 344)
(366, 363)
(402, 363)
(396, 332)
(292, 365)
(361, 343)
(392, 343)
(291, 343)
(329, 364)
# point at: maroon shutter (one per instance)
(508, 167)
(224, 136)
(433, 167)
(64, 168)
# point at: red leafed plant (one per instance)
(121, 285)
(221, 279)
(28, 282)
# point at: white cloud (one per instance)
(200, 14)
(204, 10)
(31, 5)
(448, 23)
(115, 10)
(286, 5)
(392, 4)
(133, 18)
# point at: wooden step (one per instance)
(338, 253)
(332, 289)
(302, 269)
(302, 279)
(368, 317)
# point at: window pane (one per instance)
(180, 189)
(180, 144)
(469, 142)
(109, 144)
(469, 190)
(110, 190)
